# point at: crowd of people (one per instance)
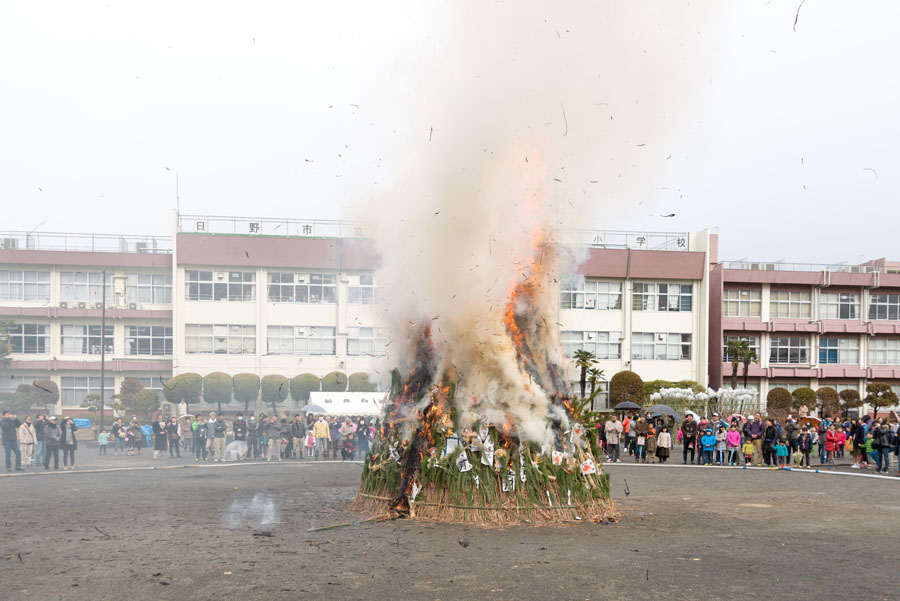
(748, 440)
(39, 441)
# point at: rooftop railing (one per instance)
(321, 228)
(783, 266)
(115, 243)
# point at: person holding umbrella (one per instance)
(613, 430)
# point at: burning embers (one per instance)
(484, 426)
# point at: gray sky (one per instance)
(787, 141)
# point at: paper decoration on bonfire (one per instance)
(588, 467)
(558, 457)
(462, 462)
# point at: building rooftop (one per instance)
(784, 266)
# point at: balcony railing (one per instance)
(782, 266)
(16, 240)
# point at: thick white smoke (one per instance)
(507, 138)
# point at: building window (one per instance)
(789, 386)
(839, 351)
(85, 339)
(660, 346)
(9, 382)
(220, 339)
(789, 304)
(753, 340)
(300, 340)
(148, 340)
(661, 297)
(75, 388)
(884, 351)
(884, 306)
(367, 342)
(313, 288)
(839, 386)
(362, 290)
(581, 293)
(789, 350)
(234, 286)
(84, 286)
(30, 286)
(604, 345)
(741, 303)
(29, 338)
(839, 305)
(156, 383)
(150, 288)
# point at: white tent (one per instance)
(349, 403)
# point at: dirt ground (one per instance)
(685, 533)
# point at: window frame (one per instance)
(658, 297)
(18, 337)
(842, 351)
(779, 350)
(610, 342)
(149, 288)
(590, 294)
(884, 306)
(793, 299)
(90, 339)
(661, 350)
(219, 339)
(743, 300)
(23, 280)
(726, 338)
(302, 341)
(153, 337)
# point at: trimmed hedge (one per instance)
(302, 385)
(626, 386)
(778, 403)
(336, 381)
(359, 382)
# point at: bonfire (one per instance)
(520, 450)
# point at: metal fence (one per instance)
(16, 240)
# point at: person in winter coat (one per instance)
(252, 438)
(39, 422)
(688, 437)
(220, 428)
(322, 433)
(362, 438)
(733, 444)
(792, 433)
(9, 426)
(755, 429)
(274, 431)
(830, 445)
(770, 437)
(840, 442)
(663, 444)
(708, 444)
(159, 436)
(68, 443)
(298, 433)
(52, 435)
(285, 444)
(860, 459)
(347, 436)
(805, 446)
(613, 430)
(641, 432)
(173, 437)
(334, 428)
(137, 436)
(200, 438)
(27, 440)
(882, 443)
(721, 444)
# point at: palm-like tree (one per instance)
(584, 360)
(735, 349)
(594, 376)
(748, 356)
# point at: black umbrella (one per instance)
(665, 410)
(626, 405)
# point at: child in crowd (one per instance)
(747, 449)
(830, 445)
(781, 454)
(805, 445)
(663, 444)
(310, 444)
(840, 442)
(103, 441)
(721, 442)
(733, 444)
(708, 444)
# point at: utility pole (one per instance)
(102, 346)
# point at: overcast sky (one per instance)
(786, 138)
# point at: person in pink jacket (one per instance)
(733, 445)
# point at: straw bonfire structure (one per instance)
(443, 453)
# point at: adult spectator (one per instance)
(239, 427)
(118, 433)
(252, 438)
(68, 443)
(219, 430)
(613, 431)
(159, 436)
(9, 426)
(362, 438)
(770, 437)
(200, 438)
(859, 445)
(298, 436)
(642, 432)
(52, 435)
(39, 422)
(792, 432)
(755, 430)
(137, 436)
(173, 437)
(348, 440)
(27, 440)
(334, 427)
(274, 431)
(688, 438)
(882, 443)
(285, 444)
(322, 434)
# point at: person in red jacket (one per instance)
(830, 445)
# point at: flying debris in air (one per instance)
(669, 215)
(875, 173)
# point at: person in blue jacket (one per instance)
(708, 444)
